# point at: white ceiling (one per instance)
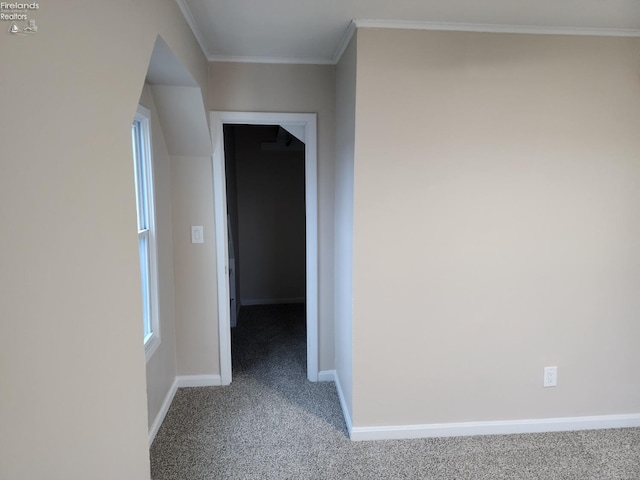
(311, 31)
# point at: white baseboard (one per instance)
(327, 376)
(185, 381)
(343, 405)
(402, 432)
(155, 426)
(270, 301)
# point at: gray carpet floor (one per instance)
(271, 423)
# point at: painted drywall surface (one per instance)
(183, 119)
(345, 142)
(496, 227)
(301, 89)
(194, 267)
(161, 367)
(271, 218)
(72, 366)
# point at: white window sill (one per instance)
(151, 344)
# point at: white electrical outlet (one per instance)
(550, 376)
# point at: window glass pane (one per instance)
(139, 160)
(143, 245)
(140, 140)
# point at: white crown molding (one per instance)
(188, 16)
(488, 28)
(344, 41)
(285, 60)
(403, 432)
(401, 25)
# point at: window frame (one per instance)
(144, 189)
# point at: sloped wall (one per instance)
(71, 358)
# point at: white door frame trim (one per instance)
(308, 121)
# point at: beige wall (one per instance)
(183, 119)
(271, 214)
(161, 367)
(345, 142)
(301, 89)
(194, 267)
(496, 226)
(72, 367)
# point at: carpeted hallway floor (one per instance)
(271, 423)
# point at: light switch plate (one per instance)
(197, 234)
